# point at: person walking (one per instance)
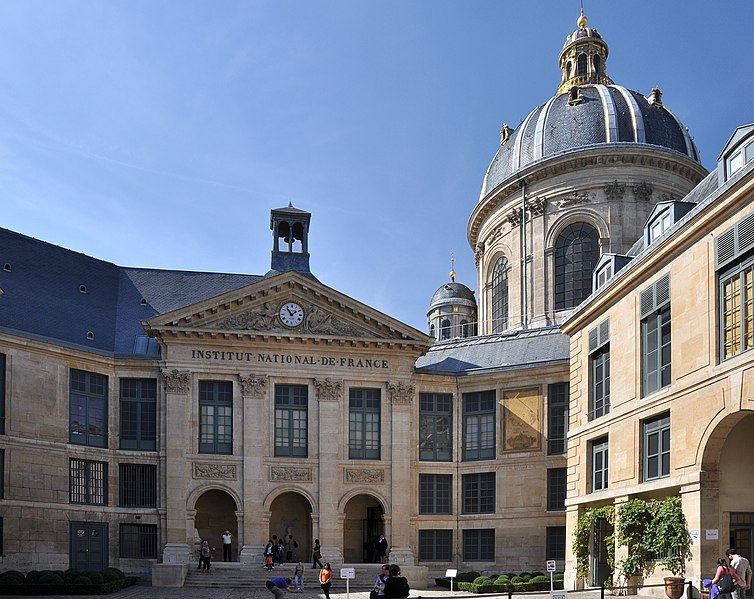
(396, 586)
(743, 569)
(227, 541)
(325, 574)
(298, 577)
(379, 583)
(317, 555)
(268, 552)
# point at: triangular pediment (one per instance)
(311, 309)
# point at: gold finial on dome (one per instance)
(452, 268)
(582, 20)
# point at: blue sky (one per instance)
(161, 133)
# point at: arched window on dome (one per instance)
(465, 328)
(432, 331)
(444, 329)
(500, 295)
(597, 65)
(581, 65)
(577, 251)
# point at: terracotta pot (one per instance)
(674, 586)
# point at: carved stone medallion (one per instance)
(643, 191)
(176, 381)
(401, 393)
(214, 471)
(328, 389)
(253, 386)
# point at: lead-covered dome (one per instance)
(588, 109)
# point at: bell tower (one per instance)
(290, 239)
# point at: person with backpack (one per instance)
(726, 580)
(743, 569)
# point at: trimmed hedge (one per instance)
(70, 582)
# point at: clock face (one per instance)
(291, 314)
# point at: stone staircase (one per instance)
(254, 576)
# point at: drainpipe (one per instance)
(524, 278)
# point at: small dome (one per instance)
(451, 293)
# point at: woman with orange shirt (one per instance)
(324, 579)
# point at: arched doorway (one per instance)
(291, 515)
(363, 523)
(216, 513)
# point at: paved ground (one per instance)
(148, 592)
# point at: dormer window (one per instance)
(738, 152)
(604, 274)
(608, 265)
(659, 225)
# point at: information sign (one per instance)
(551, 565)
(348, 573)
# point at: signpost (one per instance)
(347, 574)
(451, 573)
(560, 594)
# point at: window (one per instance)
(364, 424)
(603, 275)
(138, 541)
(435, 494)
(87, 482)
(435, 427)
(557, 417)
(444, 329)
(736, 313)
(656, 446)
(291, 420)
(655, 336)
(556, 542)
(435, 545)
(599, 370)
(88, 405)
(2, 394)
(138, 485)
(500, 295)
(739, 158)
(576, 254)
(216, 417)
(479, 545)
(556, 489)
(138, 414)
(479, 425)
(581, 63)
(479, 493)
(599, 464)
(661, 223)
(2, 474)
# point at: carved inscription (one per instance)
(365, 476)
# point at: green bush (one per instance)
(109, 576)
(82, 580)
(502, 579)
(525, 576)
(533, 574)
(32, 577)
(51, 578)
(480, 580)
(95, 577)
(516, 579)
(468, 576)
(118, 573)
(510, 575)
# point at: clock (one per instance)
(291, 314)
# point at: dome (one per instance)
(452, 293)
(587, 109)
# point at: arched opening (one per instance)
(216, 513)
(291, 521)
(729, 450)
(362, 525)
(581, 64)
(432, 331)
(597, 65)
(445, 329)
(577, 251)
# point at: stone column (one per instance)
(253, 528)
(701, 506)
(570, 580)
(329, 394)
(178, 438)
(401, 401)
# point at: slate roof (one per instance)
(556, 127)
(517, 349)
(59, 295)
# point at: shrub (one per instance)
(32, 577)
(95, 577)
(468, 576)
(51, 578)
(510, 575)
(502, 579)
(118, 573)
(11, 577)
(525, 576)
(82, 580)
(516, 579)
(533, 574)
(108, 576)
(480, 580)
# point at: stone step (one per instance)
(235, 575)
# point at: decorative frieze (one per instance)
(401, 393)
(514, 217)
(253, 386)
(215, 471)
(615, 191)
(478, 252)
(575, 198)
(176, 381)
(536, 206)
(290, 473)
(364, 475)
(328, 389)
(643, 191)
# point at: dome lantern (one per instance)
(583, 58)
